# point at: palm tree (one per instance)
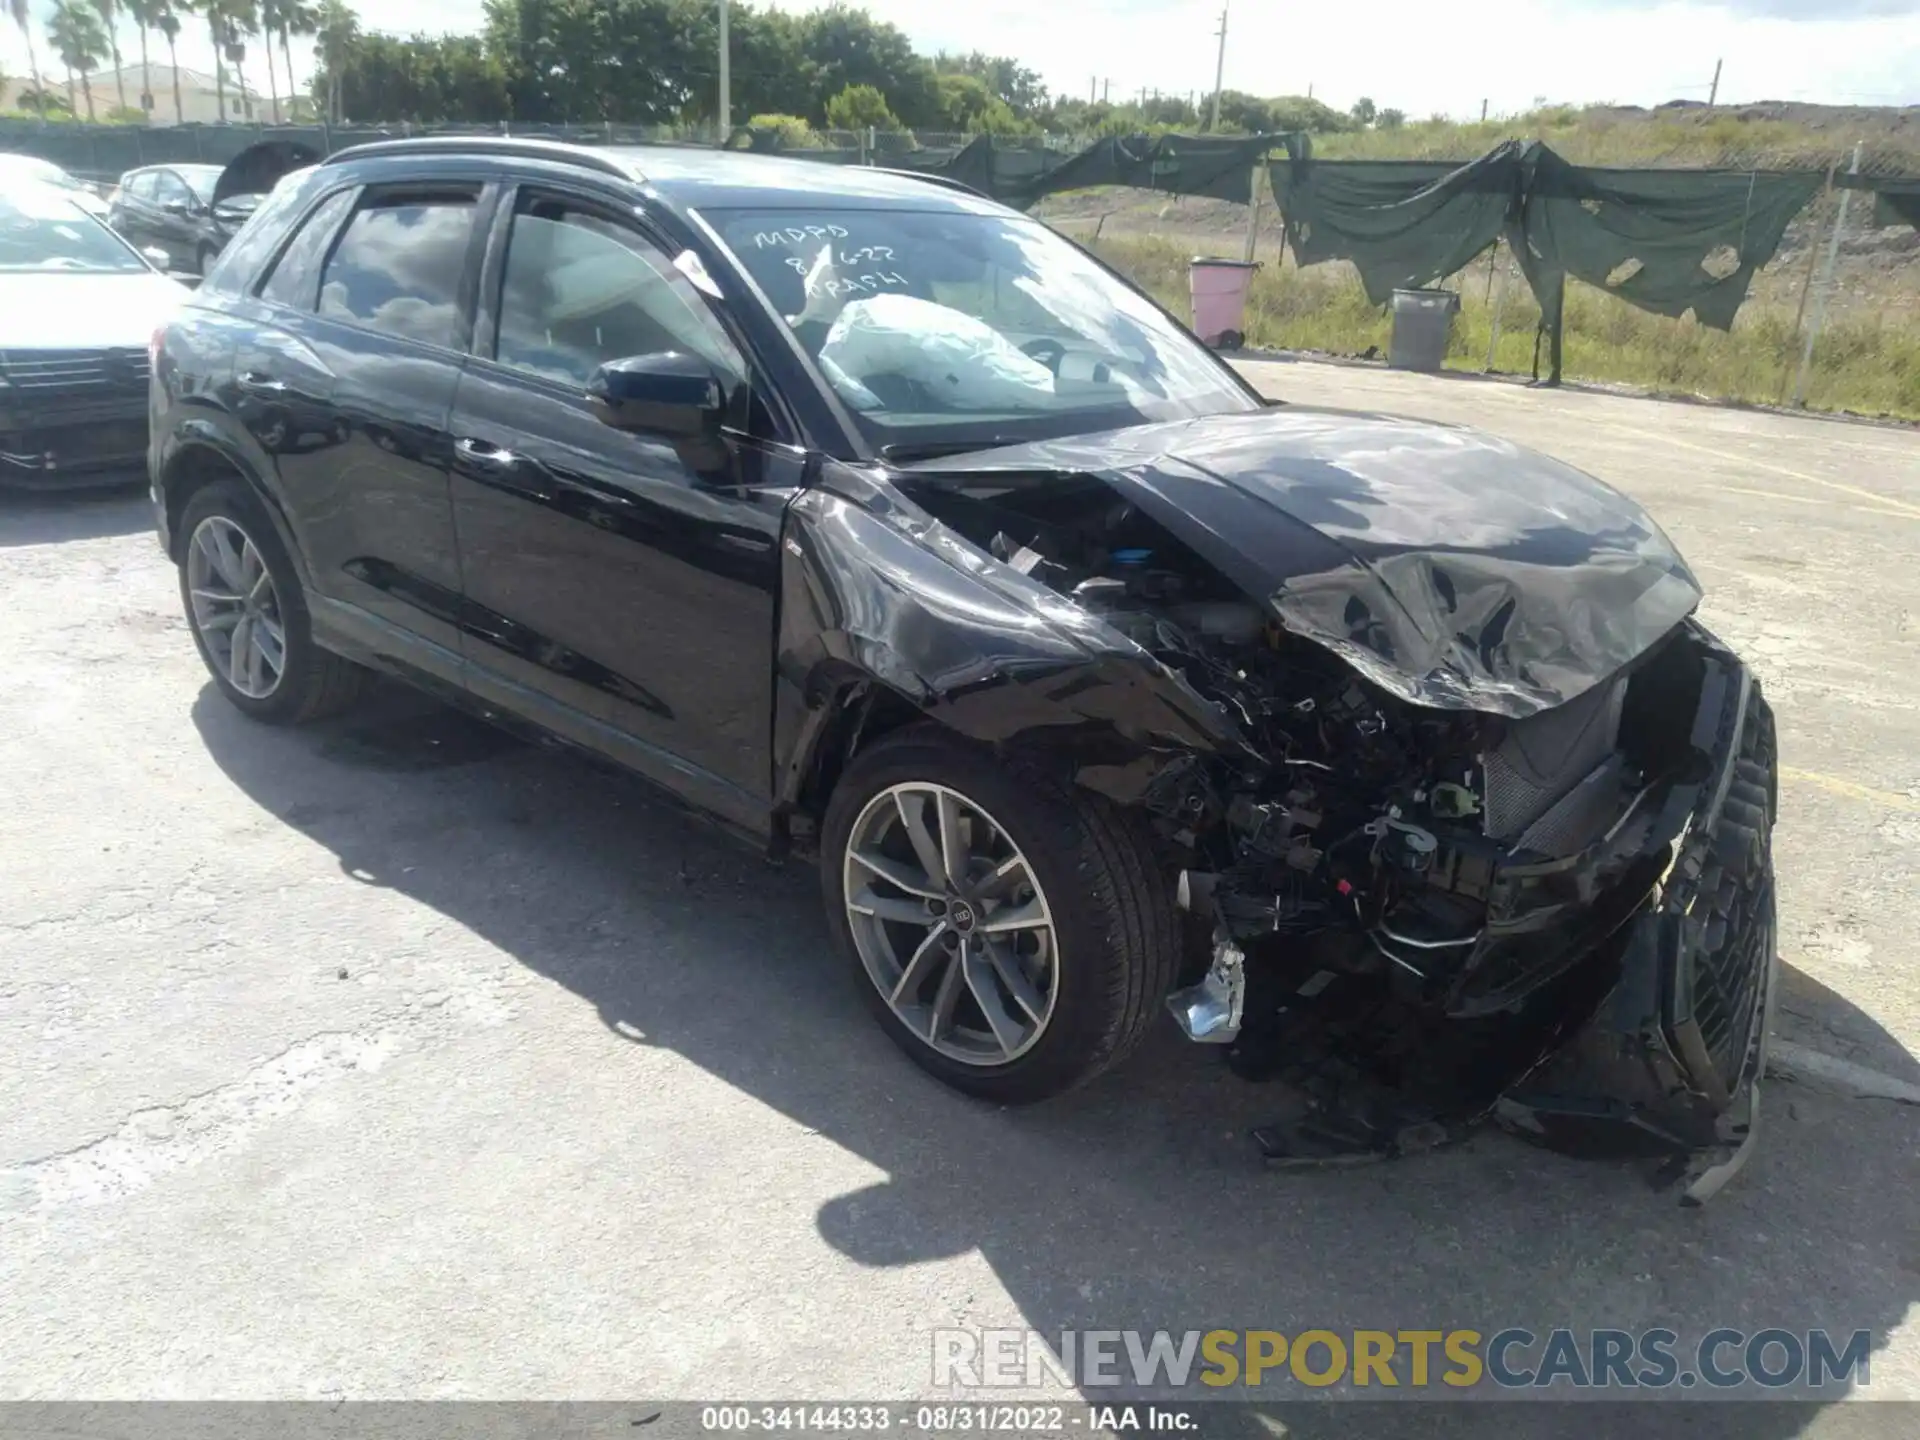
(297, 17)
(109, 13)
(336, 29)
(77, 37)
(227, 21)
(145, 14)
(21, 17)
(270, 22)
(167, 22)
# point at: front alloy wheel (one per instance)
(1013, 933)
(235, 608)
(951, 924)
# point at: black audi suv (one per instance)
(893, 530)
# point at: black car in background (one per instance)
(887, 526)
(176, 209)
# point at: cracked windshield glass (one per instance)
(942, 331)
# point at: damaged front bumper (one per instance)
(1670, 1063)
(1648, 1041)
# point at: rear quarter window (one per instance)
(240, 264)
(295, 277)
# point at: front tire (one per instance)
(1011, 933)
(249, 616)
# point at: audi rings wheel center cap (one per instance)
(960, 916)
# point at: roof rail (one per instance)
(945, 182)
(524, 149)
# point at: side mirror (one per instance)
(669, 394)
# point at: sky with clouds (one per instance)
(1405, 53)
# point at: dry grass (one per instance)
(1865, 363)
(1772, 137)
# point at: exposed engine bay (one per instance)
(1403, 908)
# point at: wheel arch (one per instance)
(884, 625)
(201, 457)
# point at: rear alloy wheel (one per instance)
(249, 616)
(1014, 934)
(235, 608)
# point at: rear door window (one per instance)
(295, 277)
(399, 265)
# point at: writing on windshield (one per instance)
(917, 318)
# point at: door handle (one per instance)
(257, 382)
(481, 453)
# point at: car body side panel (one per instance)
(876, 592)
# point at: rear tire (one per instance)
(242, 593)
(1097, 969)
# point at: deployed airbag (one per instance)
(963, 363)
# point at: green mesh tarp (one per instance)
(1220, 166)
(1670, 241)
(1897, 203)
(1012, 174)
(1403, 224)
(1020, 173)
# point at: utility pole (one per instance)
(726, 78)
(1483, 112)
(1093, 88)
(1106, 91)
(1826, 287)
(1713, 94)
(1219, 71)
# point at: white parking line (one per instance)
(1798, 1062)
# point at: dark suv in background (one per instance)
(887, 526)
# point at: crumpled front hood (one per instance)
(1449, 567)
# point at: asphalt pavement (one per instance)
(394, 1058)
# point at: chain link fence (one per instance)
(103, 153)
(1838, 274)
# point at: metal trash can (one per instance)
(1219, 292)
(1422, 324)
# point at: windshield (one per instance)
(948, 331)
(200, 179)
(42, 229)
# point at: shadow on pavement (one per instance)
(1137, 1202)
(55, 517)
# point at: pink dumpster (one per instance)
(1219, 289)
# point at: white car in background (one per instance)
(16, 167)
(78, 308)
